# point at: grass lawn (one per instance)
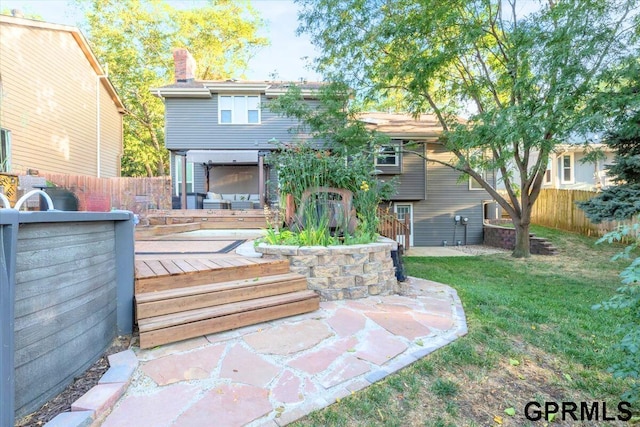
(532, 337)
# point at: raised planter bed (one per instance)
(341, 272)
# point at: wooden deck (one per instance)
(182, 295)
(209, 218)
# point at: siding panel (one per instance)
(193, 124)
(49, 103)
(63, 308)
(446, 197)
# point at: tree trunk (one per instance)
(522, 249)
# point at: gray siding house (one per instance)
(220, 131)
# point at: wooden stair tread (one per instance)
(170, 320)
(208, 271)
(149, 339)
(146, 297)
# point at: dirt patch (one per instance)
(80, 385)
(484, 394)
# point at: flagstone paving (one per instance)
(277, 372)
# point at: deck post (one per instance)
(8, 244)
(124, 241)
(261, 179)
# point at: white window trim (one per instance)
(395, 211)
(472, 180)
(7, 166)
(233, 122)
(396, 149)
(178, 176)
(548, 178)
(572, 166)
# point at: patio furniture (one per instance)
(216, 204)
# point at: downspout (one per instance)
(98, 124)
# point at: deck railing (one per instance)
(391, 227)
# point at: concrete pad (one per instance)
(435, 251)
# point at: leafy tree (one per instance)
(332, 125)
(525, 80)
(623, 200)
(135, 39)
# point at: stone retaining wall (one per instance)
(341, 272)
(505, 237)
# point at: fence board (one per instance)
(557, 208)
(103, 194)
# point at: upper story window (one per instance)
(5, 150)
(239, 109)
(567, 170)
(388, 155)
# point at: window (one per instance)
(475, 185)
(5, 150)
(479, 159)
(388, 156)
(178, 175)
(239, 109)
(547, 174)
(566, 168)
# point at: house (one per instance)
(220, 131)
(59, 112)
(567, 168)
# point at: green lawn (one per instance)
(532, 336)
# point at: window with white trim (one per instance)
(239, 109)
(566, 169)
(475, 185)
(485, 174)
(388, 155)
(547, 173)
(178, 176)
(5, 150)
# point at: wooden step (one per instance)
(169, 301)
(152, 231)
(161, 275)
(179, 326)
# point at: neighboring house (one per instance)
(567, 170)
(59, 112)
(221, 131)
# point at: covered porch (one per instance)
(220, 179)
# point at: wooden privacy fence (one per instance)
(557, 208)
(391, 227)
(137, 195)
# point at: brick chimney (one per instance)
(185, 65)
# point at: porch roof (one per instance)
(226, 157)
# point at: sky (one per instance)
(285, 56)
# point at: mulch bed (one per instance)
(80, 385)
